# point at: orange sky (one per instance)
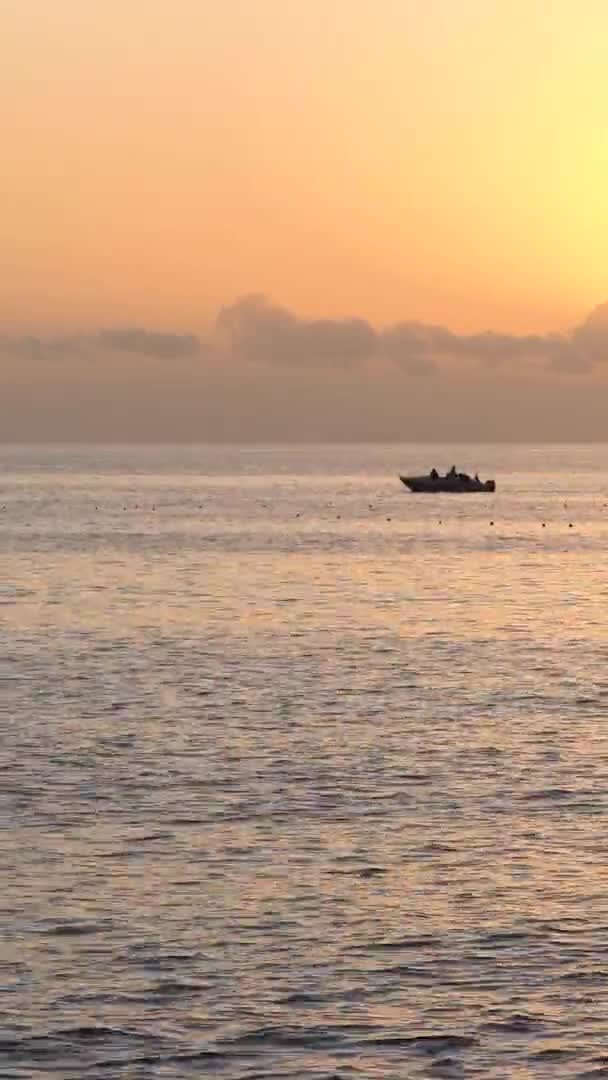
(445, 161)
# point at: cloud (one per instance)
(499, 348)
(24, 348)
(577, 351)
(414, 347)
(254, 329)
(148, 342)
(259, 332)
(590, 339)
(419, 346)
(134, 340)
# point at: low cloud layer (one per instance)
(127, 340)
(148, 343)
(255, 331)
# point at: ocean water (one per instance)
(302, 775)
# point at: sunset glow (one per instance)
(446, 161)
(443, 163)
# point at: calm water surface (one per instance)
(301, 775)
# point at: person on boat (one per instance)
(434, 474)
(452, 471)
(477, 481)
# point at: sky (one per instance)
(312, 219)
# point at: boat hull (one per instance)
(449, 485)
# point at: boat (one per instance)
(453, 482)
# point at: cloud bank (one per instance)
(148, 343)
(128, 340)
(255, 331)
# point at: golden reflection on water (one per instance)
(293, 783)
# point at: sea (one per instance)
(302, 775)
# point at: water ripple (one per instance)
(292, 790)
